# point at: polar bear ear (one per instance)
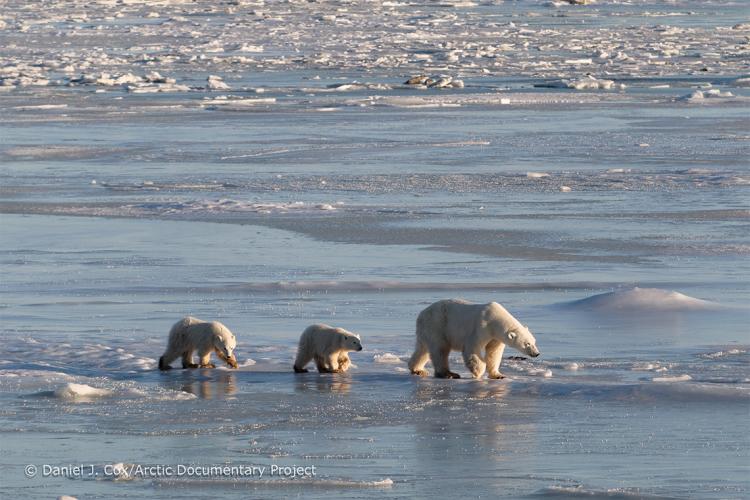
(511, 335)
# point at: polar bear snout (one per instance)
(531, 350)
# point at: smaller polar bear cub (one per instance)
(328, 346)
(191, 334)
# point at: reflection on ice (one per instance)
(219, 386)
(322, 383)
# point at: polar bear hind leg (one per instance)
(304, 354)
(493, 357)
(187, 359)
(303, 357)
(166, 360)
(419, 359)
(175, 346)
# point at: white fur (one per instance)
(191, 334)
(457, 325)
(328, 346)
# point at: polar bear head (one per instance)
(351, 342)
(521, 339)
(224, 344)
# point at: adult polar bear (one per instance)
(457, 325)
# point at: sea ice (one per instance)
(676, 378)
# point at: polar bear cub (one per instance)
(328, 346)
(191, 334)
(457, 325)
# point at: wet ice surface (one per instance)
(614, 394)
(267, 166)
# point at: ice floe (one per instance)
(675, 378)
(588, 82)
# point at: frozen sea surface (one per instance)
(265, 165)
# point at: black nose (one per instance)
(360, 348)
(535, 355)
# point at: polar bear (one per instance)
(470, 328)
(191, 334)
(328, 346)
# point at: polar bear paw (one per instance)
(447, 374)
(421, 373)
(208, 365)
(475, 365)
(496, 376)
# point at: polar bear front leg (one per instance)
(493, 357)
(439, 357)
(187, 359)
(333, 363)
(206, 360)
(323, 364)
(344, 362)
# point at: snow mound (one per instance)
(80, 391)
(643, 299)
